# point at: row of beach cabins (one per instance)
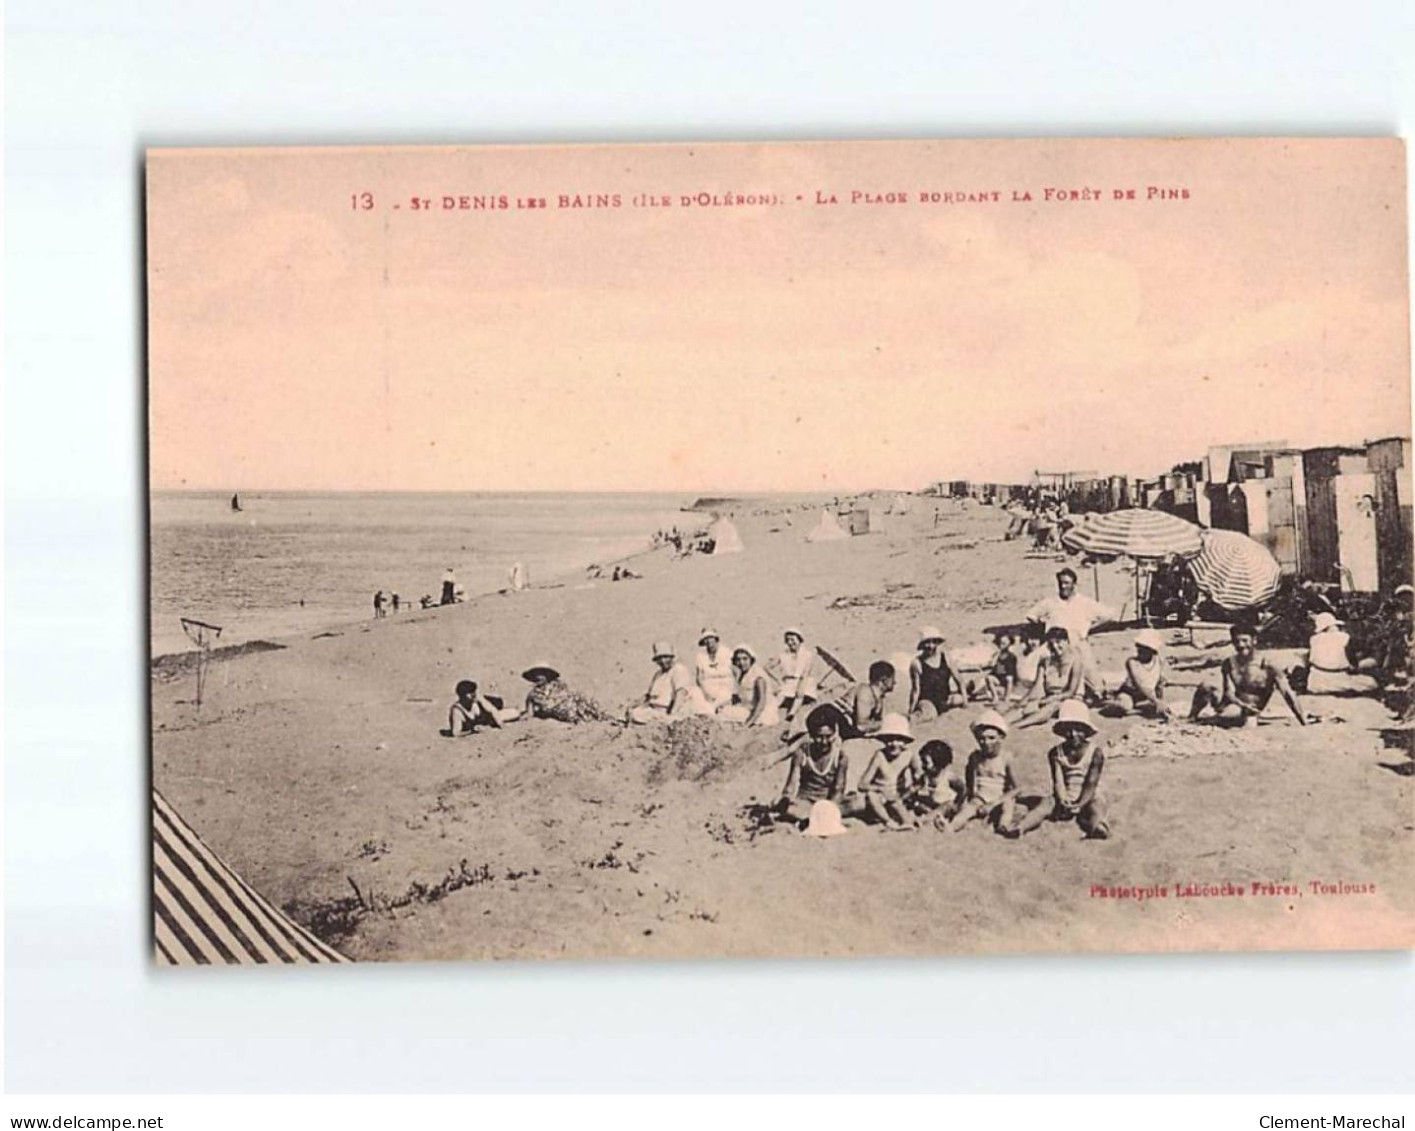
(1334, 515)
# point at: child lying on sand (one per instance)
(473, 711)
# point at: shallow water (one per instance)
(296, 562)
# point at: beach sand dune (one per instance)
(317, 771)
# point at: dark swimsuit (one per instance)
(934, 684)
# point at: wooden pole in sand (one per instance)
(202, 635)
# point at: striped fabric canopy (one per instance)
(1235, 571)
(206, 915)
(1135, 533)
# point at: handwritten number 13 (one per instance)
(361, 201)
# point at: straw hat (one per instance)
(1322, 622)
(663, 648)
(752, 652)
(825, 820)
(792, 631)
(990, 719)
(539, 669)
(894, 726)
(712, 632)
(929, 632)
(1149, 638)
(1073, 712)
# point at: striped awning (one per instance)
(1134, 533)
(204, 914)
(1235, 571)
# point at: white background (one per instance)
(89, 85)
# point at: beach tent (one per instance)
(828, 529)
(724, 537)
(204, 914)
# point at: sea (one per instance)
(292, 563)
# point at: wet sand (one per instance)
(318, 771)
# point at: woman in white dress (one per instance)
(754, 702)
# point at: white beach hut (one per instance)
(724, 537)
(828, 529)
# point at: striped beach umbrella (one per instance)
(1235, 571)
(1134, 533)
(204, 914)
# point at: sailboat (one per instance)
(235, 502)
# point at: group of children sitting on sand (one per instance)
(901, 788)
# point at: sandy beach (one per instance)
(318, 771)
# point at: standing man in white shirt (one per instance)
(1078, 614)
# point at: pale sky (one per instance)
(299, 343)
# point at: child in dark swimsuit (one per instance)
(472, 711)
(818, 767)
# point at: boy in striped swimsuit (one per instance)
(991, 786)
(1076, 764)
(819, 768)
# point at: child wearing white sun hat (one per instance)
(1146, 677)
(989, 781)
(889, 775)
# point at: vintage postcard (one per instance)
(821, 549)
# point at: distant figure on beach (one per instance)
(795, 668)
(1078, 614)
(425, 601)
(933, 687)
(819, 767)
(397, 602)
(550, 698)
(862, 707)
(1146, 677)
(472, 711)
(670, 691)
(1249, 682)
(378, 612)
(518, 577)
(753, 701)
(1076, 764)
(713, 676)
(1017, 519)
(449, 587)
